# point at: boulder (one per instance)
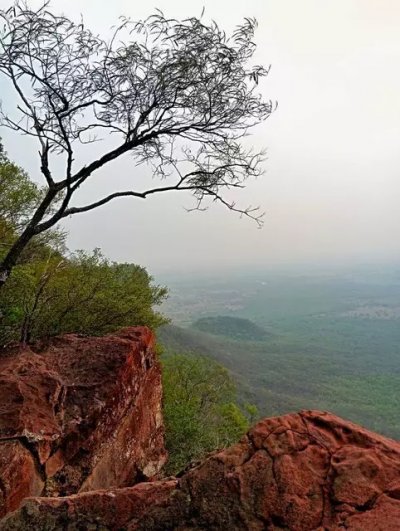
(79, 413)
(299, 472)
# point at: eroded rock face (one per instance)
(80, 414)
(301, 472)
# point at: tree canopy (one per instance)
(80, 293)
(178, 95)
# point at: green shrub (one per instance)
(200, 409)
(84, 294)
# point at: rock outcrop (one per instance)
(79, 414)
(300, 472)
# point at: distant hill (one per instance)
(231, 327)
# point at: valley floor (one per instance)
(332, 342)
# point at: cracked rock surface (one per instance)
(300, 472)
(78, 414)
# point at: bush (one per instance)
(200, 409)
(84, 294)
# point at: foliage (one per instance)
(18, 194)
(178, 95)
(19, 197)
(200, 409)
(84, 293)
(50, 292)
(233, 327)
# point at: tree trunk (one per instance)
(11, 259)
(24, 335)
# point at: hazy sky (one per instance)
(331, 190)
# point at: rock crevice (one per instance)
(79, 413)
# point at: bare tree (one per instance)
(178, 95)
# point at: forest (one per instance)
(331, 338)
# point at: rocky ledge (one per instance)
(79, 414)
(82, 446)
(299, 472)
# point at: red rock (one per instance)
(301, 472)
(102, 509)
(84, 412)
(20, 476)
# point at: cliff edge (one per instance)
(82, 446)
(78, 414)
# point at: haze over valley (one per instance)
(331, 338)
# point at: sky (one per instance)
(331, 188)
